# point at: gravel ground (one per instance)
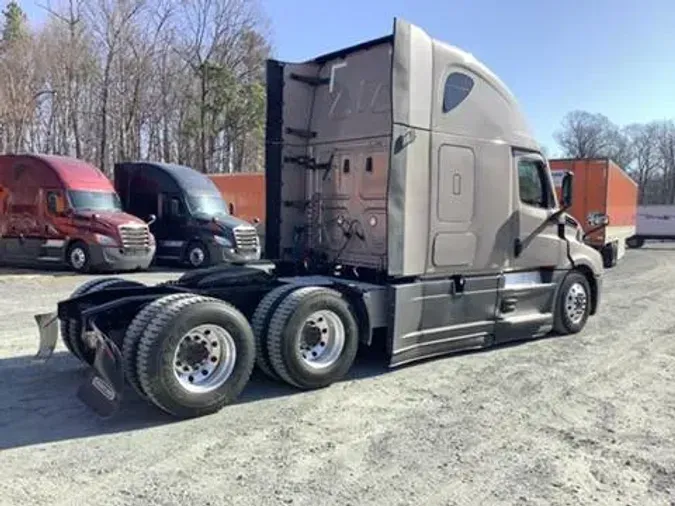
(587, 419)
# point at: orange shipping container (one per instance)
(601, 186)
(244, 192)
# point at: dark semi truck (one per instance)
(410, 201)
(191, 221)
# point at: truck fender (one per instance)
(361, 313)
(69, 241)
(585, 267)
(204, 239)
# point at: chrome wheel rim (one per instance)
(576, 302)
(321, 339)
(197, 256)
(78, 258)
(204, 358)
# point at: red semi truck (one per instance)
(57, 210)
(602, 190)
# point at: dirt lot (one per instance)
(588, 419)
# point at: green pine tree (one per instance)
(15, 25)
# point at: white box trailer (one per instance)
(654, 222)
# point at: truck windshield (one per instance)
(207, 204)
(99, 201)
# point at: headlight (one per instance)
(223, 241)
(105, 240)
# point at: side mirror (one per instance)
(256, 221)
(231, 208)
(566, 190)
(151, 219)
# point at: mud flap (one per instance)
(102, 390)
(48, 325)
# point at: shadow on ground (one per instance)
(654, 247)
(38, 402)
(50, 270)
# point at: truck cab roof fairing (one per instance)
(74, 174)
(490, 112)
(185, 178)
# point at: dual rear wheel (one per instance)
(192, 355)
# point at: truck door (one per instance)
(537, 244)
(169, 229)
(51, 223)
(33, 230)
(527, 292)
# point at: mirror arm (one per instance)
(594, 230)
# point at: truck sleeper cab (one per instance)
(192, 223)
(62, 211)
(410, 201)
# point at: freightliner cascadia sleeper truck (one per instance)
(406, 199)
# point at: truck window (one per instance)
(533, 184)
(54, 205)
(457, 88)
(172, 207)
(95, 200)
(207, 204)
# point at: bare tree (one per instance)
(587, 135)
(172, 80)
(643, 141)
(584, 135)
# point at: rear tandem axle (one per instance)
(189, 346)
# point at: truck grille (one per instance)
(134, 236)
(246, 239)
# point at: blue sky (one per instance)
(613, 57)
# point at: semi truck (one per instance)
(191, 221)
(655, 223)
(603, 191)
(61, 211)
(412, 204)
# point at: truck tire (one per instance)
(77, 257)
(196, 356)
(260, 324)
(313, 338)
(74, 327)
(635, 242)
(197, 255)
(64, 325)
(573, 304)
(133, 334)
